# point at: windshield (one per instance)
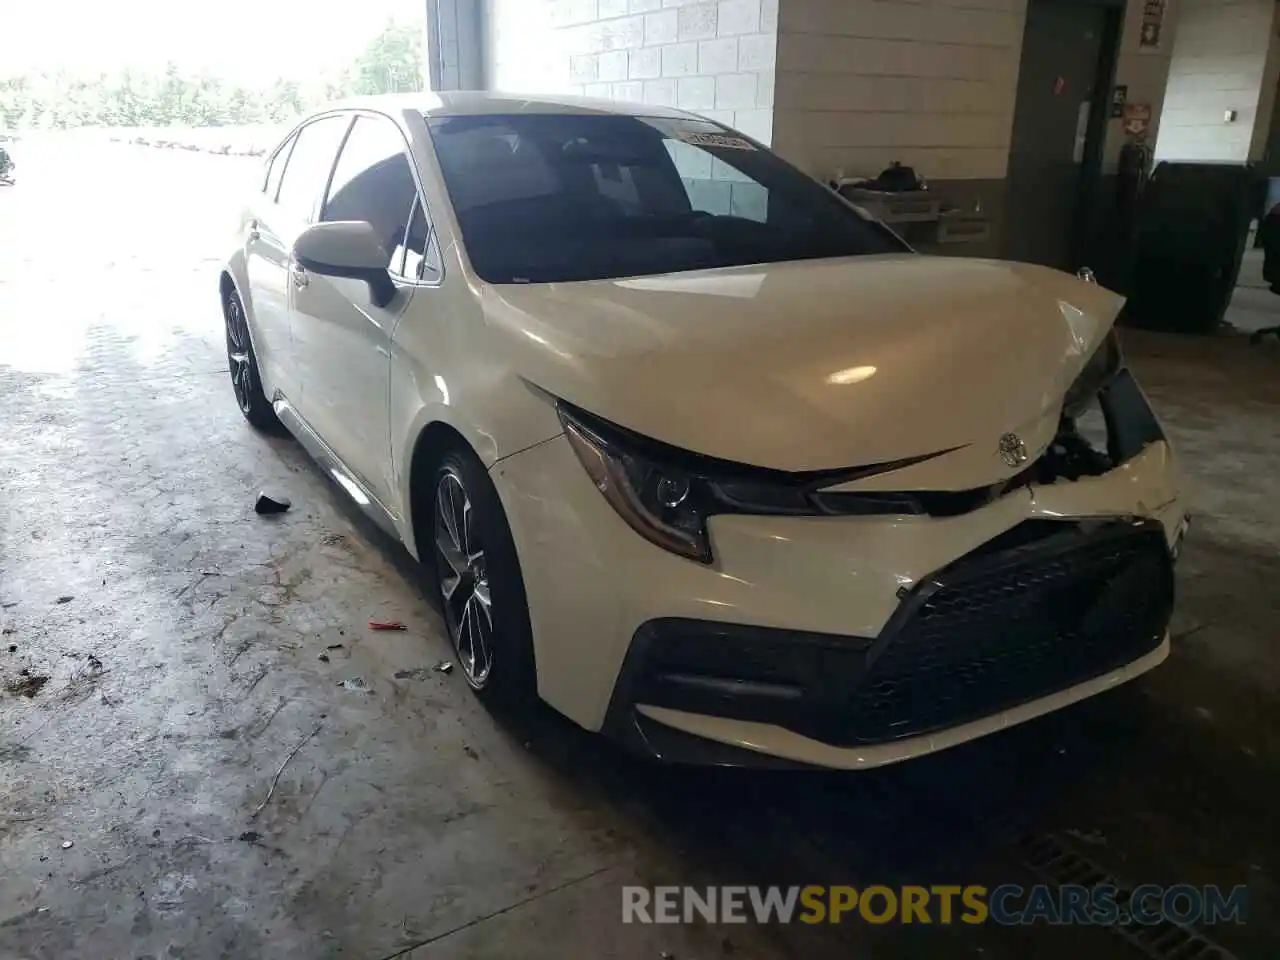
(544, 198)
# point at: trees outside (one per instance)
(391, 63)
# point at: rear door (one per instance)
(291, 195)
(343, 338)
(267, 270)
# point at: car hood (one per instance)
(811, 365)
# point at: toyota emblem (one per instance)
(1012, 450)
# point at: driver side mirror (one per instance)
(347, 248)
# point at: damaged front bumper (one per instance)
(856, 638)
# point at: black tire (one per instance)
(243, 365)
(471, 559)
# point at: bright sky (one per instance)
(247, 40)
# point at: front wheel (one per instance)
(243, 364)
(480, 585)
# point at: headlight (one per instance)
(661, 504)
(1097, 373)
(666, 495)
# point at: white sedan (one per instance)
(698, 453)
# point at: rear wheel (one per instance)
(480, 585)
(243, 363)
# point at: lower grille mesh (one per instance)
(996, 631)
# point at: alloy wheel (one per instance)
(464, 579)
(239, 358)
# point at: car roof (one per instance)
(468, 103)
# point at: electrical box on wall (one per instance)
(1230, 116)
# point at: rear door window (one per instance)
(310, 163)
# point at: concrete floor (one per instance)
(1253, 305)
(182, 636)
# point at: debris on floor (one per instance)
(7, 631)
(417, 673)
(13, 648)
(470, 751)
(323, 658)
(27, 685)
(334, 646)
(386, 625)
(354, 683)
(251, 836)
(268, 505)
(276, 779)
(444, 666)
(66, 598)
(67, 844)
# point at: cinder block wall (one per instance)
(930, 83)
(1223, 59)
(865, 82)
(714, 57)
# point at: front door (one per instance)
(344, 339)
(1061, 52)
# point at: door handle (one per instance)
(299, 273)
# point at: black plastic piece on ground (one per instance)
(268, 505)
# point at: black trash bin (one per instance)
(1192, 230)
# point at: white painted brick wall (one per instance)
(698, 21)
(737, 17)
(1219, 62)
(736, 91)
(680, 60)
(932, 83)
(696, 94)
(713, 57)
(831, 83)
(718, 56)
(646, 64)
(662, 27)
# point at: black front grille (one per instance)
(1043, 606)
(1004, 627)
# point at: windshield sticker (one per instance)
(720, 140)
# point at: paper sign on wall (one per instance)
(1137, 119)
(1149, 34)
(1119, 97)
